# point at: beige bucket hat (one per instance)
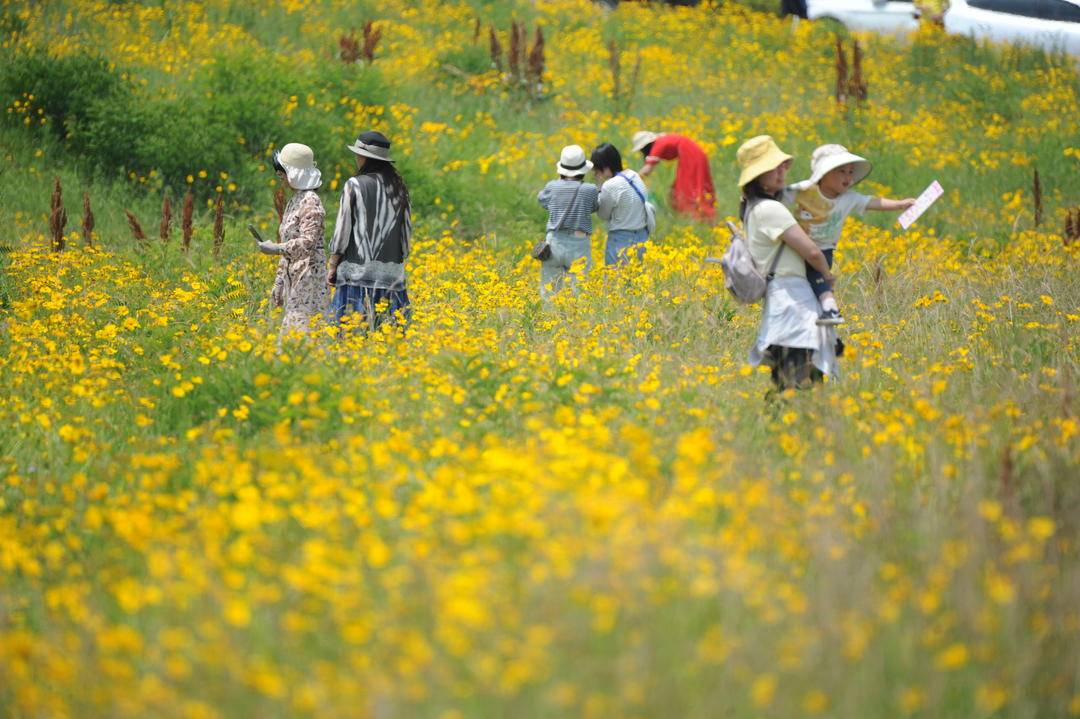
(643, 138)
(757, 156)
(298, 163)
(572, 162)
(829, 157)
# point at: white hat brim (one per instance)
(302, 179)
(640, 144)
(832, 162)
(366, 153)
(573, 173)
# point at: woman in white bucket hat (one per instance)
(299, 286)
(570, 203)
(789, 340)
(372, 238)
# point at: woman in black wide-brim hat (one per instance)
(372, 237)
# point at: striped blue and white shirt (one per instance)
(556, 198)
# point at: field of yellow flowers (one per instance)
(505, 510)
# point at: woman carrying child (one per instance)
(622, 204)
(570, 203)
(789, 339)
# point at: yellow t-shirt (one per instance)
(821, 218)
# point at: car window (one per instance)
(1027, 8)
(1060, 10)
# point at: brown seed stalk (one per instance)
(185, 219)
(349, 48)
(219, 225)
(635, 77)
(279, 202)
(136, 228)
(87, 221)
(517, 42)
(57, 217)
(1036, 194)
(535, 69)
(166, 220)
(1072, 226)
(841, 72)
(615, 64)
(372, 35)
(858, 84)
(495, 49)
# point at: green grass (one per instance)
(599, 496)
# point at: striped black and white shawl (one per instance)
(373, 234)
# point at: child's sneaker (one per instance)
(830, 318)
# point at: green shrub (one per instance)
(66, 88)
(137, 134)
(473, 59)
(221, 122)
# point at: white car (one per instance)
(886, 16)
(1049, 24)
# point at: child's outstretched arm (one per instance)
(883, 203)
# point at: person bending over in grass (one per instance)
(372, 237)
(298, 286)
(789, 339)
(570, 203)
(822, 204)
(692, 192)
(622, 204)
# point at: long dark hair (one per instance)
(646, 151)
(752, 191)
(392, 177)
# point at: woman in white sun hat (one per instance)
(789, 340)
(821, 205)
(570, 203)
(299, 286)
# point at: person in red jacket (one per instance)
(693, 191)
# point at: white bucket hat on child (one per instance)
(572, 162)
(829, 157)
(298, 162)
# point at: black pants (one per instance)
(792, 367)
(817, 281)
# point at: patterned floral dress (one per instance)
(300, 285)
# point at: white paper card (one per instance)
(908, 216)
